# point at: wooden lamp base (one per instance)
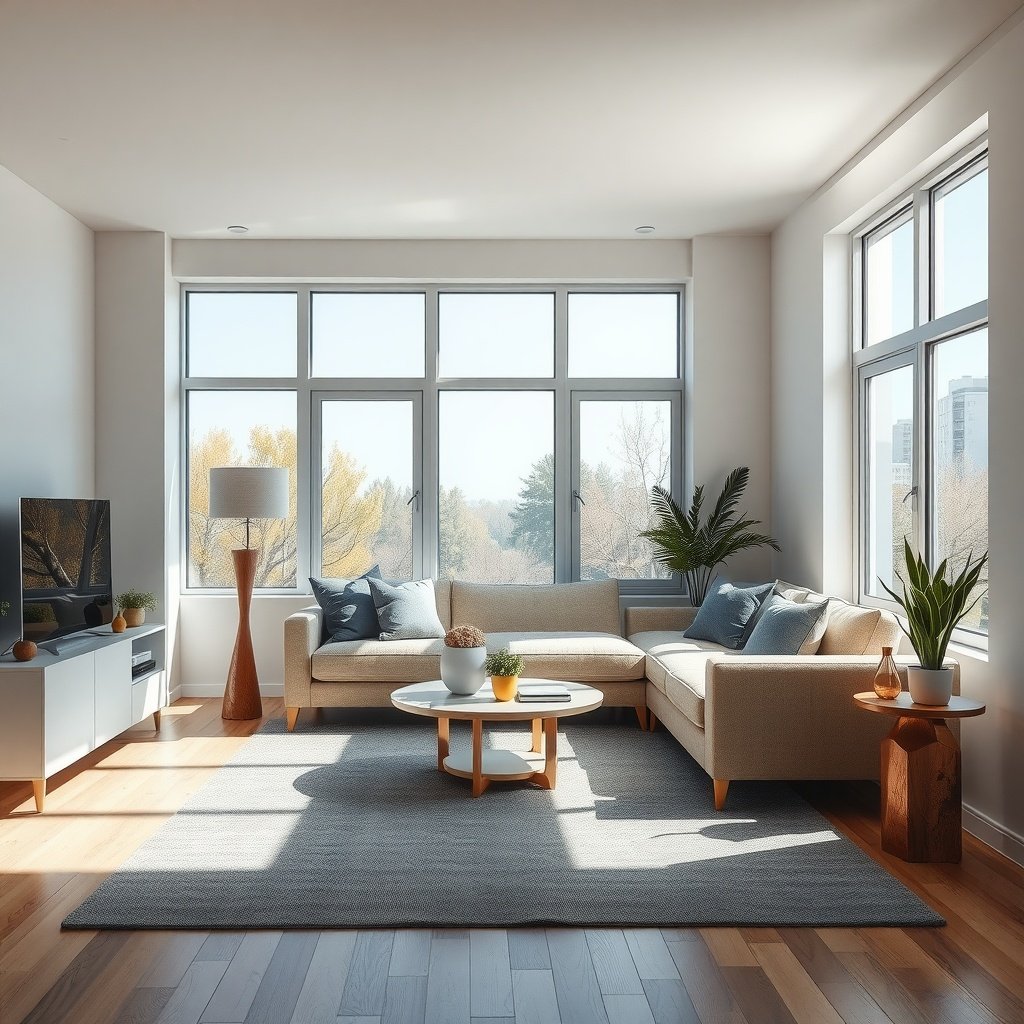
(242, 690)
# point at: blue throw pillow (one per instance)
(349, 611)
(786, 627)
(407, 611)
(727, 614)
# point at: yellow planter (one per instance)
(504, 687)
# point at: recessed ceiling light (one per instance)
(237, 229)
(645, 229)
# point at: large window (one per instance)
(921, 358)
(499, 435)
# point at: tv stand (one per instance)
(69, 701)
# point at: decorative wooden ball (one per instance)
(24, 650)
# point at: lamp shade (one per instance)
(248, 492)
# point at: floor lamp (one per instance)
(246, 492)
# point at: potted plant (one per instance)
(693, 548)
(134, 604)
(934, 608)
(463, 659)
(504, 668)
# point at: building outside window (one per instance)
(921, 364)
(495, 435)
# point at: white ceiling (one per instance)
(458, 119)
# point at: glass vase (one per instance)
(887, 679)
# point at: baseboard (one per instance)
(217, 690)
(1000, 838)
(174, 695)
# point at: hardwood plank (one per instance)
(728, 947)
(320, 996)
(883, 988)
(241, 981)
(176, 956)
(283, 979)
(669, 1001)
(650, 952)
(627, 1008)
(680, 934)
(841, 940)
(805, 1000)
(528, 949)
(358, 1020)
(490, 973)
(367, 974)
(756, 996)
(535, 999)
(144, 1006)
(410, 954)
(448, 985)
(576, 985)
(707, 988)
(220, 946)
(405, 1001)
(189, 999)
(613, 962)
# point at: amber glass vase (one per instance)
(887, 680)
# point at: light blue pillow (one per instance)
(349, 612)
(785, 627)
(406, 611)
(727, 614)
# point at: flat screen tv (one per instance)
(65, 567)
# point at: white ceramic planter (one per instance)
(462, 669)
(932, 686)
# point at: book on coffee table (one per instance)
(542, 693)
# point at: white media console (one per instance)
(59, 707)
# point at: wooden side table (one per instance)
(921, 801)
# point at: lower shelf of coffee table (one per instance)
(497, 765)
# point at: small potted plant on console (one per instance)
(462, 660)
(134, 604)
(504, 668)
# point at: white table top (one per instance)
(435, 700)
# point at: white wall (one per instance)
(812, 419)
(46, 358)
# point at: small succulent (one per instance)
(137, 599)
(464, 636)
(504, 663)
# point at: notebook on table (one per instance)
(542, 693)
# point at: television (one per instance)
(65, 567)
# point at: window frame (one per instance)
(309, 390)
(914, 347)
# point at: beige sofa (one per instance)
(739, 716)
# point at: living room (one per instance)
(712, 239)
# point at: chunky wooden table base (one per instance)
(487, 766)
(920, 777)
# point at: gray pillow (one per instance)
(788, 627)
(349, 611)
(727, 614)
(407, 611)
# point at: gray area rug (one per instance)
(345, 826)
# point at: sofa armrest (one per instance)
(774, 717)
(650, 618)
(302, 632)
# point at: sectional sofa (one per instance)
(740, 717)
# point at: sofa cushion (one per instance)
(349, 611)
(727, 615)
(563, 607)
(853, 629)
(580, 657)
(407, 611)
(787, 627)
(389, 661)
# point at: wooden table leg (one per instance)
(547, 778)
(442, 742)
(535, 728)
(479, 782)
(921, 798)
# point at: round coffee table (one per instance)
(920, 777)
(435, 700)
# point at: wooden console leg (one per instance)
(652, 721)
(39, 792)
(721, 790)
(442, 742)
(292, 716)
(535, 731)
(641, 714)
(479, 782)
(156, 720)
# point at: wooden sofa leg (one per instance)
(641, 714)
(652, 720)
(292, 716)
(721, 789)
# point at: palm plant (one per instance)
(934, 607)
(686, 545)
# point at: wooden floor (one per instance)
(99, 811)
